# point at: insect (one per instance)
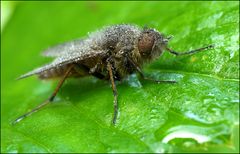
(108, 54)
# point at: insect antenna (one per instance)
(191, 51)
(49, 100)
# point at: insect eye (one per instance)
(145, 43)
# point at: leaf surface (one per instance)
(200, 113)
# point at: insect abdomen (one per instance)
(54, 72)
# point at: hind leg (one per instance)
(49, 100)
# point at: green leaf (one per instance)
(200, 113)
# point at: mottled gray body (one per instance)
(92, 53)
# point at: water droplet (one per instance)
(133, 81)
(12, 149)
(193, 116)
(196, 133)
(233, 46)
(235, 101)
(184, 131)
(209, 22)
(211, 94)
(219, 39)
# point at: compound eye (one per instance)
(145, 43)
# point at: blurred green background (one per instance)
(198, 114)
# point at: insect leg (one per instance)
(146, 78)
(49, 100)
(115, 94)
(191, 51)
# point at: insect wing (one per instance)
(66, 58)
(63, 48)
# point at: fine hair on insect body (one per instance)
(111, 53)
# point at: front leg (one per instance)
(114, 89)
(144, 77)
